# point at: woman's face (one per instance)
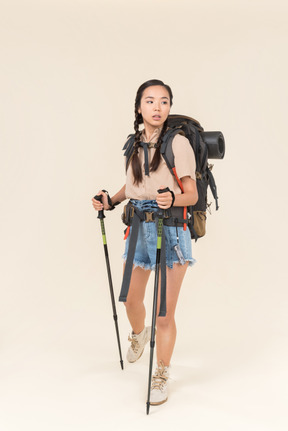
(154, 106)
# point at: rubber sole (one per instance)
(132, 362)
(159, 403)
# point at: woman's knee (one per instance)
(133, 303)
(165, 322)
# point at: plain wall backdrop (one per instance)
(69, 74)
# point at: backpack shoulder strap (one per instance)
(128, 147)
(166, 148)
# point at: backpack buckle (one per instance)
(149, 217)
(167, 213)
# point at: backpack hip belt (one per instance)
(172, 216)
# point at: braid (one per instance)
(157, 155)
(138, 120)
(136, 167)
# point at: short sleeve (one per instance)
(184, 157)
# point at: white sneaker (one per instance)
(138, 342)
(159, 385)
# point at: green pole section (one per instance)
(103, 232)
(159, 233)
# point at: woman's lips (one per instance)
(156, 117)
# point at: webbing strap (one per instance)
(138, 217)
(144, 145)
(130, 256)
(213, 187)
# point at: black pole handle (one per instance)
(163, 190)
(100, 213)
(160, 211)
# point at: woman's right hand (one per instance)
(99, 206)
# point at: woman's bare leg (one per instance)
(135, 308)
(166, 326)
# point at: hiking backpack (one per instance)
(205, 145)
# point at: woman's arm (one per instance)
(118, 197)
(189, 197)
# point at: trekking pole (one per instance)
(155, 298)
(101, 216)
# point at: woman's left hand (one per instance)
(164, 200)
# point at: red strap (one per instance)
(182, 189)
(184, 216)
(127, 232)
(178, 180)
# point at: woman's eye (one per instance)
(163, 102)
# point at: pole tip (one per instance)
(148, 407)
(122, 365)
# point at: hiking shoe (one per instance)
(138, 342)
(159, 385)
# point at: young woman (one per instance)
(147, 173)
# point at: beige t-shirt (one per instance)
(184, 163)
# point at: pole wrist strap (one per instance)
(173, 198)
(112, 207)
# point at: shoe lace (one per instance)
(134, 344)
(160, 377)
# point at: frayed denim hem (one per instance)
(136, 263)
(191, 262)
(147, 266)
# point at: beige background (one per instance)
(69, 75)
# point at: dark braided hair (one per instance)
(136, 167)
